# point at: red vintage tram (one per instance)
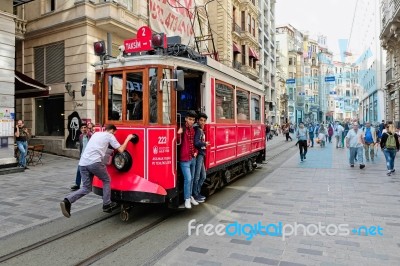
(169, 84)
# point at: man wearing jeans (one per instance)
(201, 144)
(21, 138)
(370, 140)
(355, 142)
(188, 155)
(91, 164)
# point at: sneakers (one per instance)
(66, 208)
(187, 204)
(351, 165)
(199, 199)
(393, 170)
(304, 157)
(193, 201)
(26, 167)
(74, 187)
(362, 166)
(109, 207)
(389, 172)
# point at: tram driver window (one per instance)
(134, 90)
(224, 101)
(242, 102)
(115, 97)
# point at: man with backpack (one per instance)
(355, 142)
(390, 146)
(370, 140)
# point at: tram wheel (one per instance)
(124, 215)
(250, 165)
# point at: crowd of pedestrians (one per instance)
(360, 140)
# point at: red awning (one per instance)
(253, 54)
(27, 87)
(236, 49)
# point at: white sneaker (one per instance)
(193, 201)
(187, 204)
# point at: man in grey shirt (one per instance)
(91, 164)
(355, 142)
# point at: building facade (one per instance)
(390, 36)
(368, 56)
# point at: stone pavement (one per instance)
(323, 189)
(32, 197)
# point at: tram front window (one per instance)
(115, 97)
(134, 90)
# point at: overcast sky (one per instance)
(332, 18)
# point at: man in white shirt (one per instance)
(91, 164)
(338, 134)
(355, 142)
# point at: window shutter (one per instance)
(55, 63)
(39, 64)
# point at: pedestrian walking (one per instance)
(286, 131)
(92, 164)
(302, 136)
(370, 139)
(311, 129)
(355, 143)
(390, 146)
(338, 132)
(188, 154)
(201, 145)
(330, 133)
(83, 141)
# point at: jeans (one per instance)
(312, 139)
(200, 175)
(390, 155)
(78, 177)
(188, 169)
(23, 151)
(87, 173)
(356, 153)
(369, 150)
(303, 148)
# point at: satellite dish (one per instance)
(83, 87)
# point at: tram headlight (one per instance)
(122, 161)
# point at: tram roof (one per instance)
(169, 60)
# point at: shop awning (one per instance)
(27, 87)
(236, 49)
(253, 54)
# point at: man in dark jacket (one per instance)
(201, 144)
(83, 140)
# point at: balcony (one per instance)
(250, 72)
(20, 28)
(390, 12)
(237, 65)
(236, 28)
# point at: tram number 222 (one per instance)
(162, 140)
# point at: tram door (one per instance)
(189, 99)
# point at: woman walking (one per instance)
(286, 131)
(390, 145)
(330, 133)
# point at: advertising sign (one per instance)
(173, 18)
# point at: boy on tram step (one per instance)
(201, 144)
(187, 160)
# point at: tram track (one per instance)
(53, 238)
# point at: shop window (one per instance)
(49, 116)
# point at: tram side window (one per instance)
(224, 100)
(153, 95)
(255, 107)
(134, 90)
(115, 97)
(242, 102)
(166, 92)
